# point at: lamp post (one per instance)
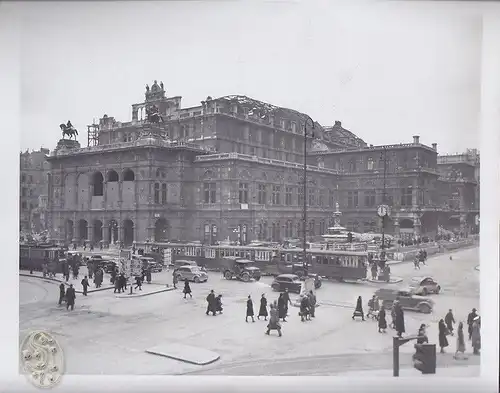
(304, 188)
(383, 209)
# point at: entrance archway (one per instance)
(161, 230)
(69, 231)
(97, 231)
(113, 231)
(128, 232)
(98, 184)
(406, 223)
(83, 230)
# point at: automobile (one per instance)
(183, 262)
(191, 273)
(291, 282)
(148, 262)
(107, 266)
(241, 269)
(407, 299)
(424, 286)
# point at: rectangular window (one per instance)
(243, 193)
(352, 199)
(321, 198)
(406, 197)
(24, 205)
(23, 192)
(288, 196)
(23, 178)
(294, 127)
(157, 193)
(370, 198)
(311, 228)
(164, 194)
(322, 229)
(276, 195)
(331, 198)
(312, 197)
(300, 196)
(262, 194)
(209, 192)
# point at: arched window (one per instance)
(97, 182)
(112, 176)
(157, 193)
(128, 175)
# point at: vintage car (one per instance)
(150, 263)
(183, 262)
(291, 282)
(424, 286)
(407, 299)
(241, 269)
(191, 273)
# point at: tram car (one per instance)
(33, 256)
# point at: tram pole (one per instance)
(304, 191)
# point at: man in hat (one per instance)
(470, 321)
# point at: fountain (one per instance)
(337, 236)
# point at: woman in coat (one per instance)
(249, 309)
(358, 312)
(443, 331)
(263, 308)
(274, 322)
(476, 335)
(460, 341)
(281, 307)
(399, 321)
(187, 289)
(382, 323)
(422, 334)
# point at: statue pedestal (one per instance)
(67, 144)
(153, 131)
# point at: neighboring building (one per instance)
(34, 170)
(230, 168)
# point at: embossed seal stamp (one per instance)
(42, 359)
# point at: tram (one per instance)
(334, 264)
(33, 256)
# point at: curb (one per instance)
(128, 296)
(55, 280)
(395, 280)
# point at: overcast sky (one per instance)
(387, 70)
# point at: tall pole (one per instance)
(384, 195)
(304, 207)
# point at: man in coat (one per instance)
(286, 298)
(62, 292)
(400, 318)
(85, 285)
(211, 303)
(312, 303)
(470, 320)
(70, 297)
(449, 320)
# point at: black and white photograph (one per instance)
(249, 189)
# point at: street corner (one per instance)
(147, 290)
(392, 280)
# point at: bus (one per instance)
(334, 264)
(33, 256)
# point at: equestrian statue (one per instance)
(68, 129)
(153, 115)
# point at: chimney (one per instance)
(416, 139)
(435, 146)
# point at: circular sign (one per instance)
(383, 210)
(42, 359)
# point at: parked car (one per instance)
(191, 273)
(407, 299)
(148, 262)
(241, 269)
(291, 282)
(183, 262)
(424, 286)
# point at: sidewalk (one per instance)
(76, 282)
(465, 371)
(147, 290)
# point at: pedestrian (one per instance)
(175, 279)
(476, 335)
(187, 289)
(84, 246)
(422, 334)
(274, 321)
(218, 304)
(399, 323)
(62, 292)
(138, 283)
(123, 282)
(470, 321)
(90, 268)
(358, 311)
(443, 332)
(211, 303)
(70, 297)
(416, 263)
(74, 246)
(312, 304)
(263, 308)
(85, 285)
(374, 270)
(148, 275)
(449, 321)
(460, 342)
(118, 286)
(304, 309)
(286, 298)
(281, 307)
(382, 323)
(113, 276)
(249, 309)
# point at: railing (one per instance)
(458, 179)
(137, 143)
(376, 148)
(458, 159)
(260, 160)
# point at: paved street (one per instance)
(114, 332)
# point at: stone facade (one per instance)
(232, 168)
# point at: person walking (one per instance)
(476, 336)
(449, 320)
(443, 332)
(263, 308)
(460, 351)
(274, 321)
(70, 297)
(422, 334)
(138, 283)
(175, 279)
(400, 318)
(281, 307)
(304, 309)
(286, 298)
(358, 311)
(312, 304)
(211, 303)
(148, 275)
(218, 304)
(470, 320)
(382, 323)
(187, 289)
(249, 309)
(85, 285)
(62, 292)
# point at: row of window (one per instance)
(370, 199)
(275, 232)
(24, 178)
(26, 192)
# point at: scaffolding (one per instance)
(93, 134)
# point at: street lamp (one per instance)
(383, 209)
(304, 207)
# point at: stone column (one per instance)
(75, 229)
(90, 232)
(396, 228)
(417, 227)
(105, 235)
